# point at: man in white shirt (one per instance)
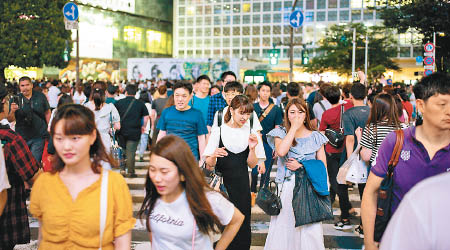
(422, 221)
(53, 93)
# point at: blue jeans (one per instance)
(36, 146)
(143, 144)
(268, 164)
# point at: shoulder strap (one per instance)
(251, 122)
(193, 234)
(266, 112)
(341, 125)
(321, 105)
(128, 109)
(219, 117)
(103, 204)
(397, 151)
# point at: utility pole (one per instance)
(366, 57)
(354, 51)
(77, 67)
(291, 49)
(434, 51)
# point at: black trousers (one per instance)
(341, 190)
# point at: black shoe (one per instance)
(359, 231)
(343, 225)
(132, 175)
(141, 159)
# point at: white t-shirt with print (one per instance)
(172, 223)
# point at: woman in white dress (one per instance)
(105, 114)
(296, 140)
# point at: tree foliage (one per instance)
(335, 51)
(32, 33)
(425, 16)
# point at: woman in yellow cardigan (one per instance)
(67, 200)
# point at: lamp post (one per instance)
(354, 51)
(366, 57)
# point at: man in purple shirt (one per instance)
(425, 151)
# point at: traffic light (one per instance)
(66, 54)
(273, 56)
(305, 57)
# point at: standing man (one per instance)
(217, 102)
(31, 113)
(22, 168)
(270, 116)
(133, 122)
(53, 93)
(201, 97)
(184, 121)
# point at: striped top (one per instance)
(372, 140)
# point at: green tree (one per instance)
(335, 51)
(32, 33)
(425, 16)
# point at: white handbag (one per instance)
(353, 170)
(103, 204)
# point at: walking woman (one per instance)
(231, 148)
(296, 140)
(67, 200)
(180, 209)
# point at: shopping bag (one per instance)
(353, 170)
(118, 154)
(309, 207)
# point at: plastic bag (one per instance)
(353, 170)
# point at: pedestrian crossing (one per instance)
(334, 239)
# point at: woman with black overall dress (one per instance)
(231, 148)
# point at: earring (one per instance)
(182, 178)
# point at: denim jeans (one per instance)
(143, 144)
(36, 146)
(130, 153)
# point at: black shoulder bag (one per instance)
(336, 138)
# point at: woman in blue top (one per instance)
(294, 142)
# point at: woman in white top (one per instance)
(78, 95)
(180, 208)
(105, 115)
(231, 148)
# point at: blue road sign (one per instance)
(428, 72)
(389, 81)
(70, 11)
(296, 19)
(419, 59)
(429, 60)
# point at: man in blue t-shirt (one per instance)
(200, 100)
(184, 121)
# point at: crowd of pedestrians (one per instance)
(232, 129)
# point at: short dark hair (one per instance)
(24, 78)
(131, 89)
(358, 91)
(227, 73)
(332, 94)
(436, 83)
(184, 85)
(203, 77)
(265, 83)
(346, 90)
(293, 89)
(236, 86)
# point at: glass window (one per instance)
(378, 15)
(320, 16)
(236, 8)
(256, 7)
(216, 42)
(236, 42)
(207, 53)
(208, 32)
(287, 29)
(198, 52)
(227, 9)
(217, 20)
(246, 7)
(208, 9)
(267, 6)
(266, 30)
(227, 20)
(245, 52)
(190, 43)
(245, 30)
(266, 18)
(217, 9)
(226, 52)
(181, 43)
(181, 11)
(266, 42)
(199, 21)
(256, 52)
(368, 14)
(226, 31)
(190, 21)
(277, 6)
(356, 15)
(256, 42)
(256, 30)
(277, 18)
(181, 21)
(418, 51)
(286, 40)
(287, 4)
(181, 52)
(276, 40)
(256, 18)
(332, 4)
(236, 52)
(405, 52)
(332, 15)
(190, 32)
(199, 10)
(356, 4)
(309, 4)
(276, 30)
(309, 17)
(207, 43)
(216, 52)
(245, 41)
(321, 4)
(236, 19)
(217, 31)
(236, 31)
(190, 11)
(344, 3)
(198, 32)
(369, 3)
(207, 20)
(226, 42)
(246, 19)
(199, 43)
(343, 15)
